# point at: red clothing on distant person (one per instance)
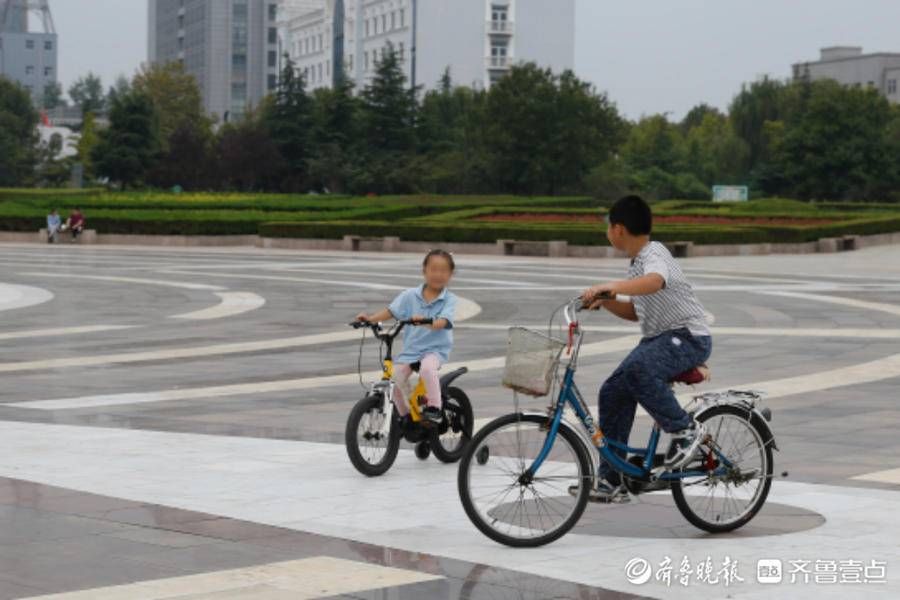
(76, 219)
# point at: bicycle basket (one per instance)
(531, 361)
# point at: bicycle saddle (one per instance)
(698, 374)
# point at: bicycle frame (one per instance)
(592, 437)
(386, 385)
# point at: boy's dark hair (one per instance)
(632, 212)
(443, 254)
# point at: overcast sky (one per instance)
(650, 55)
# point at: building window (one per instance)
(273, 12)
(29, 44)
(273, 58)
(273, 81)
(383, 23)
(321, 43)
(498, 55)
(367, 28)
(48, 71)
(48, 45)
(892, 86)
(402, 17)
(393, 20)
(29, 70)
(402, 52)
(366, 60)
(273, 35)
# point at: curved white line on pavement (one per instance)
(466, 310)
(285, 385)
(358, 284)
(876, 370)
(877, 306)
(174, 353)
(14, 296)
(137, 280)
(752, 331)
(233, 303)
(35, 333)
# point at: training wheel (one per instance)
(423, 450)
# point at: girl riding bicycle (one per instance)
(426, 347)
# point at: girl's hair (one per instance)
(443, 254)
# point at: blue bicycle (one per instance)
(525, 478)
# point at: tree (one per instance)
(544, 133)
(697, 114)
(185, 132)
(335, 131)
(389, 107)
(53, 96)
(18, 136)
(838, 145)
(287, 116)
(654, 142)
(451, 139)
(86, 144)
(52, 169)
(762, 101)
(87, 93)
(130, 146)
(246, 155)
(176, 99)
(713, 151)
(121, 86)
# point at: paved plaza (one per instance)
(171, 426)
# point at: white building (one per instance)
(849, 66)
(479, 40)
(229, 46)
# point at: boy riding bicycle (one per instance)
(675, 339)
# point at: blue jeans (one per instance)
(643, 377)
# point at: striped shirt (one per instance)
(675, 305)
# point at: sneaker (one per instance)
(685, 444)
(605, 493)
(433, 415)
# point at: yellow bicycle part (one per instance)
(415, 411)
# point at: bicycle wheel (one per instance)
(370, 451)
(449, 439)
(724, 503)
(513, 510)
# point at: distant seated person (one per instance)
(75, 223)
(53, 226)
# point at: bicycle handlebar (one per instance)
(377, 329)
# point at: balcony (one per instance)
(500, 27)
(499, 63)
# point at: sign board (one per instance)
(731, 193)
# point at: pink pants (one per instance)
(428, 372)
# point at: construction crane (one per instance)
(14, 15)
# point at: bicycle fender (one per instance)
(755, 417)
(448, 379)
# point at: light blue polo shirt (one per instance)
(419, 341)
